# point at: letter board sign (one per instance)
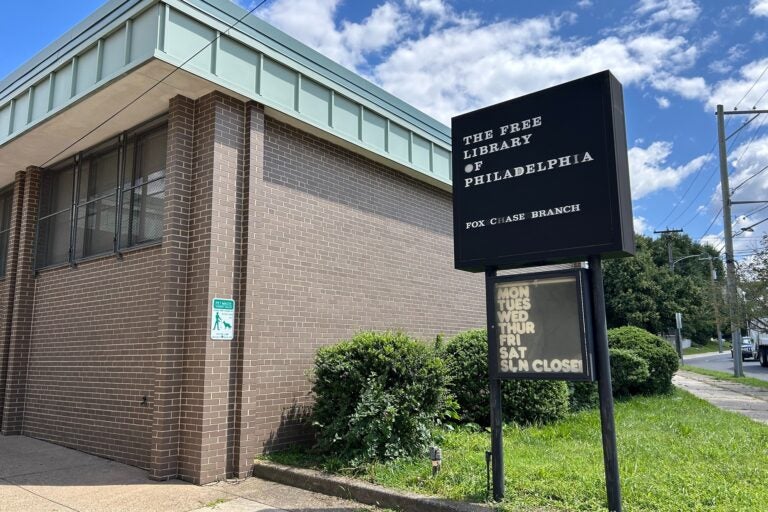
(540, 327)
(543, 178)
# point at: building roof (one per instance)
(128, 51)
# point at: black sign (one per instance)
(539, 328)
(543, 178)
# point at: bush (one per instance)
(660, 357)
(377, 396)
(583, 395)
(629, 372)
(523, 401)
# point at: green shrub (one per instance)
(377, 397)
(523, 401)
(583, 395)
(629, 372)
(660, 357)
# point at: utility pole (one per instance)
(730, 269)
(665, 233)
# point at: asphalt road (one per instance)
(724, 363)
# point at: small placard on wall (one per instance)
(223, 319)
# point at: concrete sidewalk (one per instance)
(44, 477)
(730, 396)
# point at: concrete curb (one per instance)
(357, 490)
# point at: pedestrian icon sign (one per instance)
(223, 319)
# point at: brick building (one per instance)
(132, 194)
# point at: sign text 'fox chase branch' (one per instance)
(543, 178)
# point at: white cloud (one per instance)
(446, 62)
(712, 240)
(721, 66)
(663, 102)
(641, 225)
(313, 23)
(463, 67)
(749, 176)
(584, 4)
(759, 7)
(430, 7)
(752, 82)
(649, 171)
(664, 11)
(688, 88)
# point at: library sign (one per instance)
(543, 178)
(541, 332)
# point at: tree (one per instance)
(644, 292)
(753, 284)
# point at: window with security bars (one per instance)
(107, 199)
(5, 227)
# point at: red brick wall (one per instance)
(91, 359)
(346, 245)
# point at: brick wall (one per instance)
(8, 282)
(314, 243)
(20, 339)
(208, 408)
(347, 244)
(91, 361)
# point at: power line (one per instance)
(750, 89)
(760, 98)
(685, 193)
(754, 136)
(152, 87)
(711, 223)
(749, 178)
(693, 201)
(699, 172)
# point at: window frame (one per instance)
(77, 205)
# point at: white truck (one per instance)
(760, 340)
(761, 345)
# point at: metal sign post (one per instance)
(604, 386)
(497, 443)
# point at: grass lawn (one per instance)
(749, 381)
(676, 453)
(712, 346)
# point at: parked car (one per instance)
(747, 349)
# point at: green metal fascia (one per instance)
(73, 67)
(105, 19)
(289, 48)
(90, 56)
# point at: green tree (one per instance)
(753, 285)
(644, 292)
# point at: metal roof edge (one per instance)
(302, 54)
(95, 22)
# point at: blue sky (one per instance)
(677, 59)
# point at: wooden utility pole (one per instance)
(666, 233)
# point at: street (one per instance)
(724, 363)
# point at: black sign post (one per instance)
(537, 180)
(604, 386)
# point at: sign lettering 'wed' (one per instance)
(540, 326)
